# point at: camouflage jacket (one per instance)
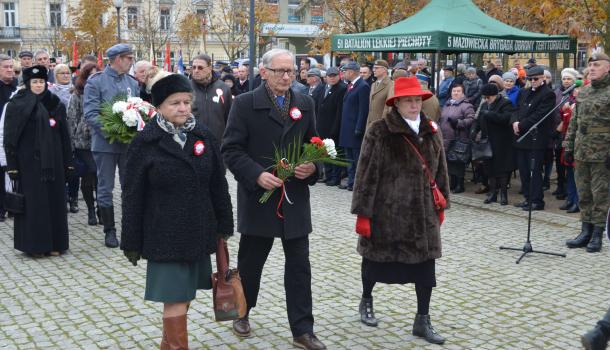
(588, 135)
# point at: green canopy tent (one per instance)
(452, 26)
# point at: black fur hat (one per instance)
(489, 90)
(168, 85)
(35, 72)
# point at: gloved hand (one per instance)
(132, 256)
(363, 226)
(13, 174)
(568, 157)
(453, 122)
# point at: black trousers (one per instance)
(524, 160)
(253, 253)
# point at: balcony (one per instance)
(10, 33)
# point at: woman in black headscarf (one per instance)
(38, 154)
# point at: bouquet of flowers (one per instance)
(317, 150)
(124, 116)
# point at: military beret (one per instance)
(35, 72)
(332, 70)
(535, 70)
(598, 56)
(382, 63)
(315, 72)
(26, 54)
(118, 49)
(351, 66)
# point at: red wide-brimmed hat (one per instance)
(407, 87)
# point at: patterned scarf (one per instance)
(284, 110)
(178, 132)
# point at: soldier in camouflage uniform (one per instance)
(588, 142)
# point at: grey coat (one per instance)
(461, 110)
(101, 87)
(80, 133)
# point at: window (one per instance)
(202, 14)
(294, 12)
(132, 17)
(9, 14)
(164, 19)
(55, 15)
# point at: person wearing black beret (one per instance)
(493, 125)
(39, 158)
(176, 204)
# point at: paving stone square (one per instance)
(92, 297)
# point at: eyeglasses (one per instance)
(534, 78)
(200, 67)
(64, 73)
(281, 72)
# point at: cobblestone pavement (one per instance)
(92, 298)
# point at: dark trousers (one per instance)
(253, 252)
(352, 154)
(560, 168)
(524, 161)
(73, 183)
(2, 190)
(571, 190)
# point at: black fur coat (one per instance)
(393, 190)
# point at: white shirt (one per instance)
(414, 124)
(355, 80)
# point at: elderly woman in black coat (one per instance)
(175, 205)
(493, 124)
(38, 154)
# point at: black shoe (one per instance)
(492, 197)
(503, 197)
(583, 237)
(565, 206)
(308, 341)
(561, 196)
(110, 239)
(367, 313)
(595, 339)
(322, 179)
(342, 187)
(558, 191)
(91, 217)
(73, 205)
(332, 183)
(423, 328)
(350, 188)
(523, 204)
(241, 327)
(595, 245)
(573, 209)
(535, 206)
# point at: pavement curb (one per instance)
(541, 216)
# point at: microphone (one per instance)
(577, 83)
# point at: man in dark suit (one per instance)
(271, 116)
(534, 103)
(8, 85)
(328, 118)
(316, 88)
(353, 118)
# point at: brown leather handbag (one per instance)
(228, 293)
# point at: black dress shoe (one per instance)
(241, 327)
(561, 196)
(349, 188)
(573, 209)
(332, 183)
(308, 341)
(523, 204)
(423, 328)
(535, 206)
(342, 187)
(565, 206)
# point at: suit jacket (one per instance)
(533, 105)
(254, 130)
(328, 116)
(379, 94)
(354, 115)
(317, 94)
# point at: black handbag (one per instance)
(459, 151)
(481, 150)
(14, 200)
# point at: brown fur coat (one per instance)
(393, 190)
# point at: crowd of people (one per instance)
(407, 149)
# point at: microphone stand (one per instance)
(527, 247)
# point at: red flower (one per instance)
(316, 141)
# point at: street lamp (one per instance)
(118, 4)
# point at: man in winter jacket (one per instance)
(211, 97)
(8, 84)
(534, 104)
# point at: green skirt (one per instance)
(177, 282)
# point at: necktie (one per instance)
(280, 101)
(349, 87)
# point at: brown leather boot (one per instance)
(175, 336)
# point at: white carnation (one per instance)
(119, 107)
(130, 117)
(329, 144)
(134, 100)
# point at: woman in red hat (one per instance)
(398, 221)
